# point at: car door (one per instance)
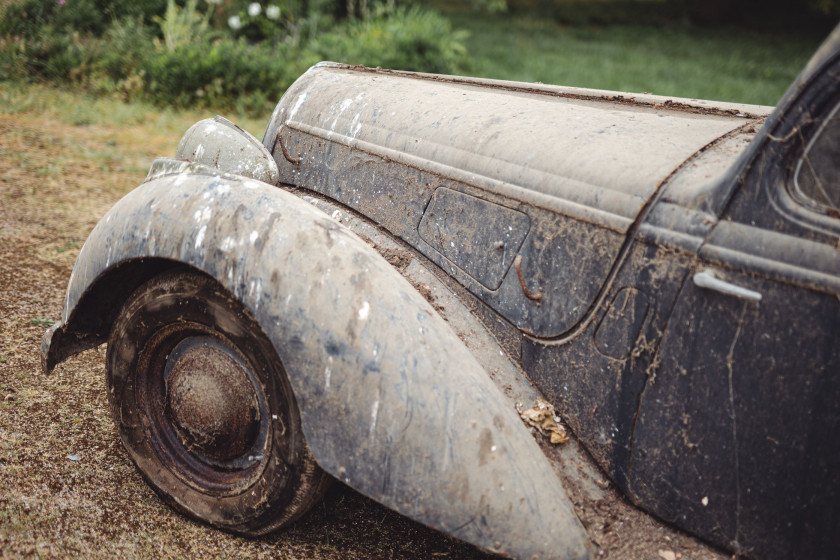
(738, 439)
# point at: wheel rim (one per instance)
(203, 408)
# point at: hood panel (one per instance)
(547, 141)
(524, 194)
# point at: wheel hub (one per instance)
(212, 403)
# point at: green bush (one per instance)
(49, 55)
(26, 18)
(82, 16)
(269, 24)
(129, 43)
(144, 10)
(406, 39)
(183, 24)
(99, 64)
(217, 73)
(184, 52)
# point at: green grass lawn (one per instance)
(720, 64)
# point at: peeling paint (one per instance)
(374, 412)
(298, 103)
(199, 238)
(228, 244)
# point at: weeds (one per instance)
(189, 54)
(183, 25)
(403, 38)
(68, 246)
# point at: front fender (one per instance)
(391, 401)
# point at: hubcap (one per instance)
(212, 403)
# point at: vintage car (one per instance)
(664, 272)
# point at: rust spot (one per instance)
(290, 159)
(517, 265)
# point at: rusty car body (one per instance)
(664, 271)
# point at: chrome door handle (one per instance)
(707, 279)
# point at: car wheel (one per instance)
(204, 407)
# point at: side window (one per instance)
(816, 181)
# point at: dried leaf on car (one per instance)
(544, 419)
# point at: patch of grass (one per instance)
(82, 169)
(42, 321)
(80, 109)
(68, 246)
(685, 61)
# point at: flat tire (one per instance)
(204, 408)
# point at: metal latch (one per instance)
(707, 279)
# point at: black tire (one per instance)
(205, 410)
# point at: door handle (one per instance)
(707, 279)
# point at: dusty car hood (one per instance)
(599, 149)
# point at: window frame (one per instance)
(793, 187)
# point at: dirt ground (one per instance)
(67, 488)
(56, 179)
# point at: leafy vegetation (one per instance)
(403, 38)
(215, 53)
(240, 55)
